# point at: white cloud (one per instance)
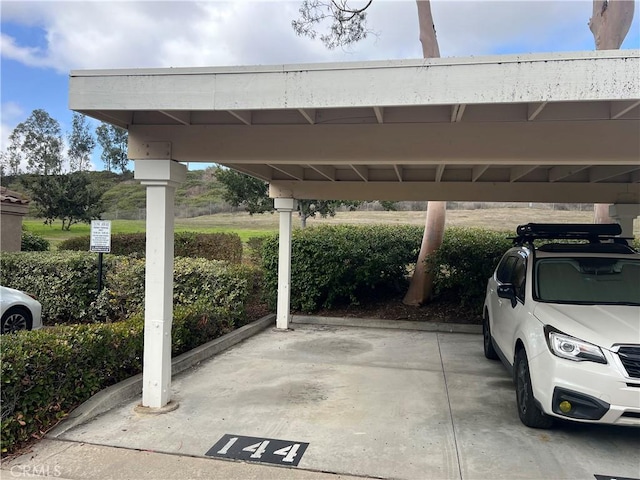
(113, 34)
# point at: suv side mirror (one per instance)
(508, 291)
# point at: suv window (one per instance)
(503, 273)
(519, 276)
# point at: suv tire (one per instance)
(528, 411)
(489, 351)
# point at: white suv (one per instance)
(564, 318)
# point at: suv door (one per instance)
(507, 316)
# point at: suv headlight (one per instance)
(571, 348)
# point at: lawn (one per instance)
(54, 234)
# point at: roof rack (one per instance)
(594, 233)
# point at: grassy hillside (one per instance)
(124, 195)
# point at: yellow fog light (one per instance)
(565, 407)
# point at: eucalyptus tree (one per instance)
(113, 141)
(348, 25)
(37, 142)
(81, 144)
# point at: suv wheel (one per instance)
(528, 411)
(489, 351)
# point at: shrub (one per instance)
(32, 242)
(212, 246)
(333, 264)
(213, 284)
(465, 261)
(255, 245)
(64, 282)
(46, 373)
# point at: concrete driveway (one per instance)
(371, 402)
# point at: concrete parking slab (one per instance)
(371, 402)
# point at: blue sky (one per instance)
(42, 41)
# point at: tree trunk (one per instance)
(609, 24)
(421, 287)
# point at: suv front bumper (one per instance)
(597, 393)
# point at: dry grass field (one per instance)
(491, 218)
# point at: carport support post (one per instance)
(623, 214)
(160, 178)
(284, 206)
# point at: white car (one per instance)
(20, 311)
(564, 318)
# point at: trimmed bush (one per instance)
(346, 263)
(64, 282)
(465, 261)
(66, 285)
(32, 242)
(47, 373)
(215, 285)
(212, 246)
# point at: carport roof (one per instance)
(544, 127)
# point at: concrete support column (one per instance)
(285, 207)
(624, 214)
(160, 178)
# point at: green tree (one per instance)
(37, 141)
(113, 141)
(71, 198)
(9, 163)
(253, 194)
(81, 144)
(245, 191)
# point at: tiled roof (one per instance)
(9, 196)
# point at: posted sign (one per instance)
(100, 236)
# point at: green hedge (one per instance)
(335, 264)
(212, 246)
(32, 242)
(66, 284)
(210, 283)
(465, 261)
(47, 373)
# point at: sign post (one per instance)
(101, 243)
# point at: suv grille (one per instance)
(630, 358)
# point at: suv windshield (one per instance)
(588, 280)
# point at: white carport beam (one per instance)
(160, 177)
(243, 115)
(534, 109)
(309, 114)
(283, 315)
(558, 173)
(379, 111)
(619, 109)
(293, 171)
(183, 118)
(478, 171)
(519, 172)
(599, 174)
(439, 172)
(398, 170)
(457, 111)
(363, 172)
(327, 172)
